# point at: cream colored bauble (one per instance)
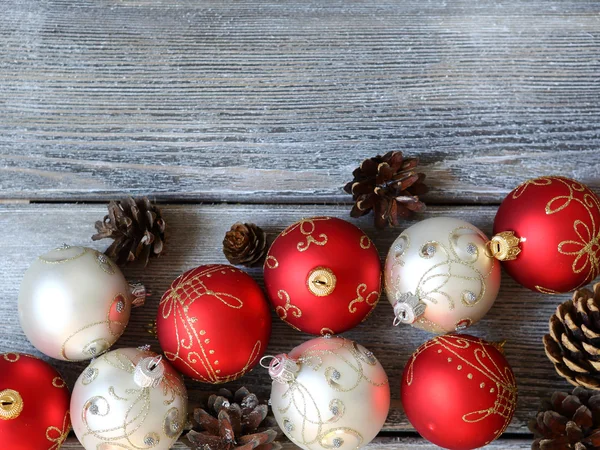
(329, 393)
(74, 303)
(129, 399)
(439, 275)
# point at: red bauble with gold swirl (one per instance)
(556, 224)
(214, 323)
(34, 404)
(323, 275)
(458, 391)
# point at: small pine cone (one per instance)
(573, 344)
(245, 244)
(568, 421)
(137, 228)
(390, 186)
(234, 421)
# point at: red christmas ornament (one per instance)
(323, 275)
(34, 404)
(556, 226)
(458, 391)
(214, 323)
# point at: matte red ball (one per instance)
(214, 323)
(458, 391)
(558, 222)
(323, 275)
(35, 412)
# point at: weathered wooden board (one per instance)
(277, 101)
(379, 443)
(195, 234)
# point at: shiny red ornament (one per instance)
(557, 223)
(458, 391)
(323, 275)
(34, 404)
(214, 323)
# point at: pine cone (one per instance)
(389, 186)
(245, 244)
(234, 421)
(568, 421)
(137, 228)
(573, 344)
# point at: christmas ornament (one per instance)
(548, 234)
(573, 344)
(568, 421)
(389, 185)
(74, 303)
(323, 275)
(439, 277)
(129, 399)
(137, 228)
(34, 404)
(245, 244)
(329, 392)
(213, 323)
(231, 422)
(458, 391)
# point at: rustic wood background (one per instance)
(260, 110)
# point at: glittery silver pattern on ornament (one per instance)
(129, 399)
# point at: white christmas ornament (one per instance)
(74, 303)
(329, 393)
(439, 275)
(129, 399)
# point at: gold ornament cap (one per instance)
(11, 404)
(321, 281)
(504, 246)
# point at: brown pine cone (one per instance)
(568, 421)
(245, 244)
(573, 344)
(234, 421)
(137, 228)
(388, 185)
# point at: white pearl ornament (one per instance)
(129, 399)
(439, 275)
(329, 393)
(74, 303)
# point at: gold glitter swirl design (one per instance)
(271, 262)
(452, 266)
(11, 357)
(307, 228)
(300, 399)
(58, 382)
(519, 190)
(114, 327)
(58, 435)
(282, 311)
(84, 250)
(365, 242)
(326, 331)
(505, 386)
(188, 289)
(371, 299)
(548, 291)
(138, 406)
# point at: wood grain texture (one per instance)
(195, 235)
(277, 101)
(379, 443)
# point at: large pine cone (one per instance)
(234, 421)
(137, 228)
(573, 344)
(245, 244)
(388, 185)
(568, 421)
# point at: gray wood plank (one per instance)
(263, 101)
(195, 235)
